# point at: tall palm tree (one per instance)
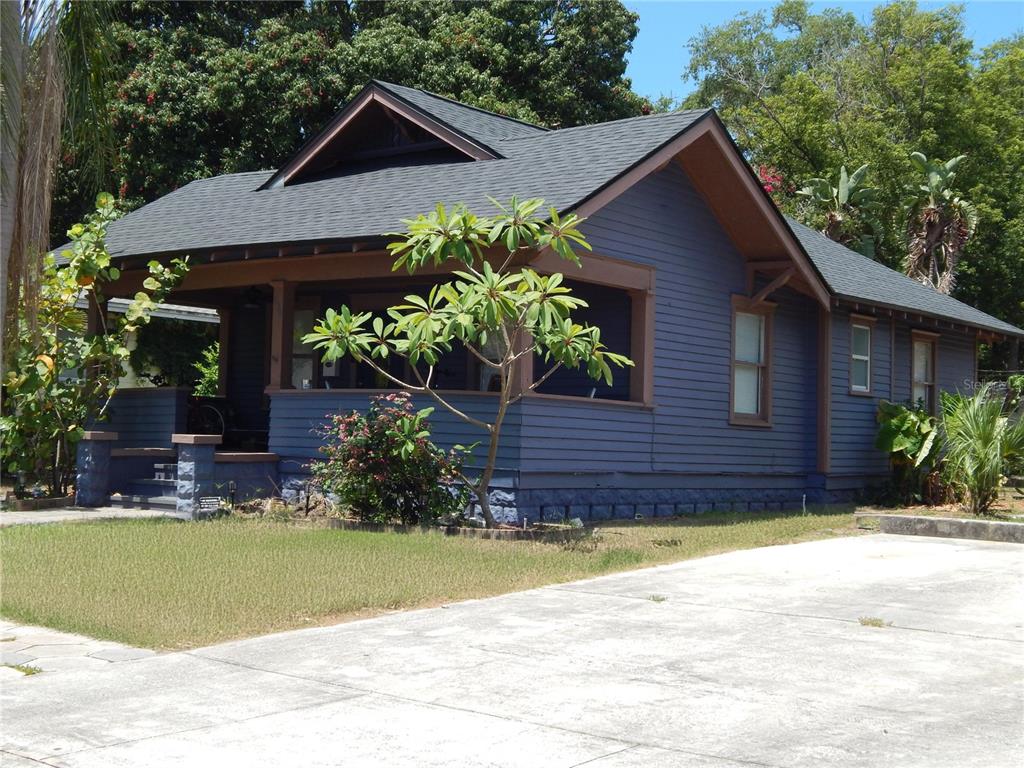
(939, 223)
(55, 59)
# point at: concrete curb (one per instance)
(944, 527)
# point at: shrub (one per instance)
(207, 371)
(910, 435)
(982, 440)
(1015, 392)
(383, 467)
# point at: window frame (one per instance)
(867, 322)
(305, 303)
(926, 337)
(765, 309)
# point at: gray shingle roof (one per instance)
(486, 127)
(565, 167)
(850, 275)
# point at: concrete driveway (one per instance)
(750, 658)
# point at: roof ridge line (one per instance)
(554, 131)
(463, 104)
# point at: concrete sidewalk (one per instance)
(75, 514)
(766, 657)
(47, 650)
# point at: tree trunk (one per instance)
(484, 484)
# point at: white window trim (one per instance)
(856, 388)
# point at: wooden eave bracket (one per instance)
(773, 286)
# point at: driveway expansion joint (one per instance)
(789, 614)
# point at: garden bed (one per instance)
(552, 534)
(31, 505)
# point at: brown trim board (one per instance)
(708, 156)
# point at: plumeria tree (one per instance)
(498, 310)
(63, 376)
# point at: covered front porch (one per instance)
(275, 395)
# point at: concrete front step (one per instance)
(129, 501)
(165, 471)
(150, 487)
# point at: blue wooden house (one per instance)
(761, 347)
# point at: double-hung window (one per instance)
(751, 363)
(923, 370)
(860, 357)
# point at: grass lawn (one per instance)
(166, 584)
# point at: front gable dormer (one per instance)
(379, 128)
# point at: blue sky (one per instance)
(659, 52)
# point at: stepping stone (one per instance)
(62, 649)
(12, 658)
(70, 663)
(122, 654)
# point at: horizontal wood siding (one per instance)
(664, 222)
(854, 425)
(580, 436)
(853, 416)
(297, 417)
(954, 360)
(147, 417)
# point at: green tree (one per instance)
(518, 311)
(806, 92)
(62, 378)
(210, 88)
(207, 372)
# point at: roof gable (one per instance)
(486, 127)
(379, 124)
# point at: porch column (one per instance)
(224, 347)
(196, 455)
(95, 322)
(95, 317)
(523, 372)
(92, 469)
(281, 323)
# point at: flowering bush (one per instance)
(384, 468)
